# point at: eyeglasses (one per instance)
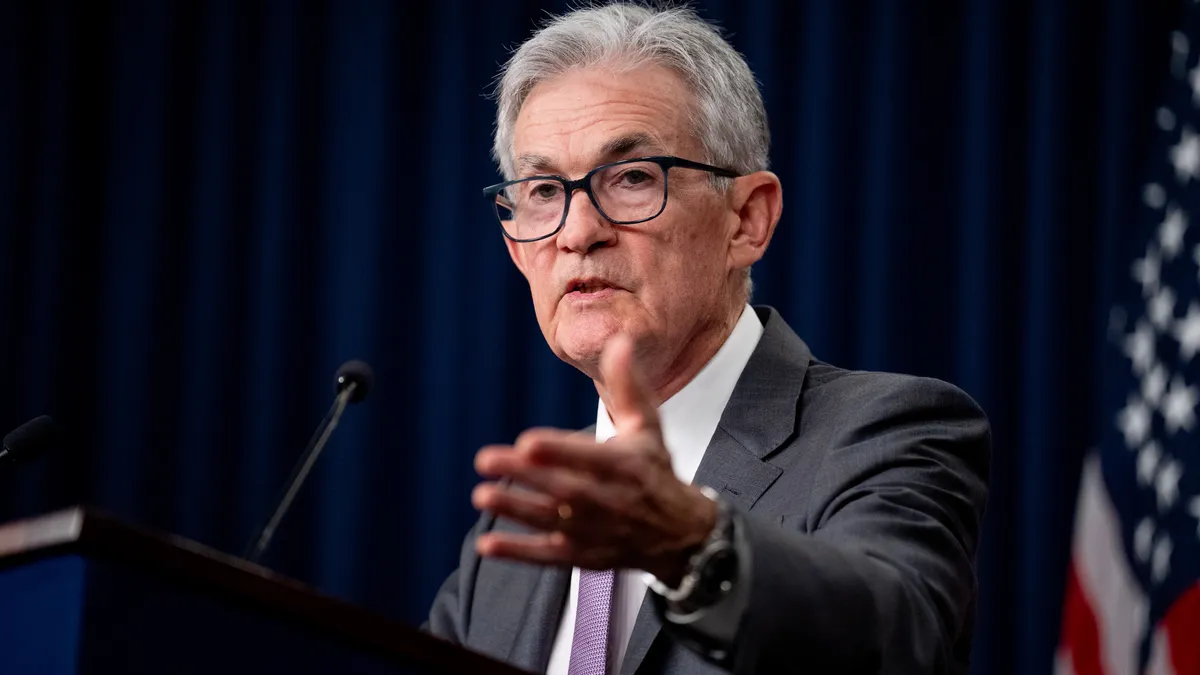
(626, 192)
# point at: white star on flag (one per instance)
(1179, 52)
(1147, 271)
(1170, 232)
(1154, 196)
(1154, 383)
(1167, 485)
(1187, 332)
(1143, 538)
(1147, 462)
(1134, 421)
(1139, 347)
(1166, 119)
(1162, 559)
(1162, 308)
(1179, 406)
(1185, 156)
(1194, 80)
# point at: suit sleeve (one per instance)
(880, 578)
(449, 614)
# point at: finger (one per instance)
(531, 508)
(631, 403)
(494, 460)
(548, 548)
(491, 458)
(541, 449)
(561, 485)
(559, 482)
(570, 450)
(505, 462)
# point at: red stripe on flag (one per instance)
(1182, 625)
(1080, 632)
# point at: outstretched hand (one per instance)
(595, 505)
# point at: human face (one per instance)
(665, 282)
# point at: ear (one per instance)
(516, 251)
(757, 201)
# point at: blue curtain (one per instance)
(206, 207)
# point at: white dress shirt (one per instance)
(688, 420)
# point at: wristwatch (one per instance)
(711, 570)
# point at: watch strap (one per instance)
(720, 542)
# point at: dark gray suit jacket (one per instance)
(861, 495)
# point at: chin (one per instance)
(581, 339)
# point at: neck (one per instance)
(684, 364)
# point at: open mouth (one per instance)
(588, 287)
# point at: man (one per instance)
(739, 506)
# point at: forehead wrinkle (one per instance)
(572, 117)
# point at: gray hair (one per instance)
(727, 114)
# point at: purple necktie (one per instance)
(589, 646)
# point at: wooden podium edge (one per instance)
(93, 532)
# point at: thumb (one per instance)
(631, 403)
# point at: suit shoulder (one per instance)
(833, 395)
(856, 426)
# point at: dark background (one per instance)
(206, 207)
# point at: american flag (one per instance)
(1133, 588)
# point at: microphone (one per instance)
(351, 384)
(28, 440)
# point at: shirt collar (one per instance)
(690, 417)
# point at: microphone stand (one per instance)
(315, 444)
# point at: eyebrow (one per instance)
(625, 144)
(534, 163)
(612, 149)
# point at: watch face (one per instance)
(716, 577)
(721, 567)
(712, 571)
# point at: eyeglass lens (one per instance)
(624, 193)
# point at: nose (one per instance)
(585, 229)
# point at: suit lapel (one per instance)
(534, 640)
(645, 630)
(760, 417)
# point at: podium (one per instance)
(83, 592)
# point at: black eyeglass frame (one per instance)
(667, 162)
